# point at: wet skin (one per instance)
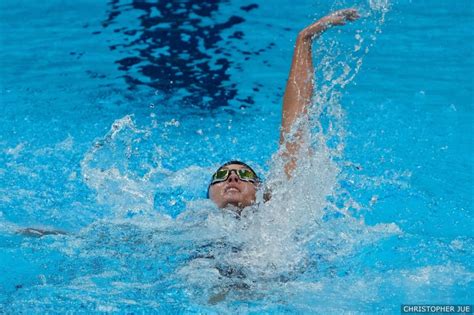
(233, 191)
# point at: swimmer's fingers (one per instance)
(349, 14)
(340, 17)
(336, 18)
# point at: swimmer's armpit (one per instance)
(33, 232)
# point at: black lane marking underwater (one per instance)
(178, 27)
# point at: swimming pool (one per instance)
(114, 115)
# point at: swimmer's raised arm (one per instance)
(299, 87)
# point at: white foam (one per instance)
(271, 241)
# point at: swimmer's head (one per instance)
(234, 183)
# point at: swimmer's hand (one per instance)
(336, 18)
(33, 232)
(300, 84)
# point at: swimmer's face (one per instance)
(233, 191)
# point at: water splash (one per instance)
(305, 227)
(296, 217)
(119, 173)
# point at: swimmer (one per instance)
(234, 184)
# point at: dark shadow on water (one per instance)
(176, 48)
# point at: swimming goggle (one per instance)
(243, 174)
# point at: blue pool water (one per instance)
(114, 114)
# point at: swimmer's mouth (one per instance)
(232, 189)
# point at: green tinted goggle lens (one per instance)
(245, 175)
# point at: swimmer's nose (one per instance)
(233, 177)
